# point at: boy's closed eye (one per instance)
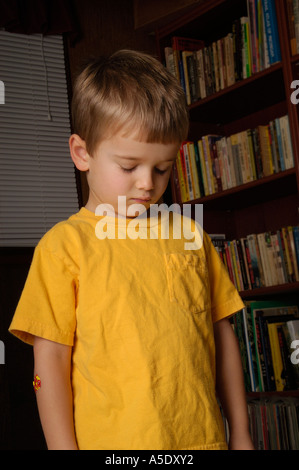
(157, 170)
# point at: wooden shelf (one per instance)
(197, 22)
(223, 108)
(278, 184)
(295, 58)
(275, 394)
(289, 288)
(241, 83)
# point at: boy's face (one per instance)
(125, 166)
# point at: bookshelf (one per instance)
(262, 204)
(255, 99)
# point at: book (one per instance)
(203, 170)
(188, 171)
(271, 30)
(292, 7)
(185, 70)
(273, 423)
(260, 330)
(252, 18)
(291, 26)
(291, 333)
(251, 45)
(296, 23)
(263, 259)
(194, 169)
(286, 142)
(228, 161)
(241, 336)
(293, 329)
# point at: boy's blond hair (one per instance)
(128, 91)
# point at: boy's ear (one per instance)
(79, 153)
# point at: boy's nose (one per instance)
(145, 182)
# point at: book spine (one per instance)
(182, 186)
(188, 171)
(191, 153)
(267, 355)
(291, 25)
(251, 8)
(208, 164)
(258, 352)
(296, 21)
(203, 167)
(184, 172)
(276, 355)
(271, 30)
(199, 169)
(263, 259)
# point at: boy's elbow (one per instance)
(45, 349)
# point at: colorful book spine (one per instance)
(264, 330)
(274, 424)
(250, 46)
(271, 29)
(264, 259)
(225, 162)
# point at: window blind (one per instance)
(37, 175)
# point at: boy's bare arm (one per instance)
(52, 363)
(230, 385)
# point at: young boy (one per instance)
(129, 327)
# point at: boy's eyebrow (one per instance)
(127, 157)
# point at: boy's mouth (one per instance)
(141, 200)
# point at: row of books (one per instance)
(264, 38)
(261, 260)
(293, 23)
(215, 163)
(251, 46)
(274, 423)
(267, 332)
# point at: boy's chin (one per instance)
(136, 210)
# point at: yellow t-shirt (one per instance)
(139, 314)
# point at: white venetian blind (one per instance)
(37, 176)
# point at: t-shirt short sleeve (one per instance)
(225, 299)
(47, 307)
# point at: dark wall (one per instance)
(106, 26)
(19, 422)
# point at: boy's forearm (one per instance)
(230, 385)
(52, 363)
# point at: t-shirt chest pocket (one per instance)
(187, 279)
